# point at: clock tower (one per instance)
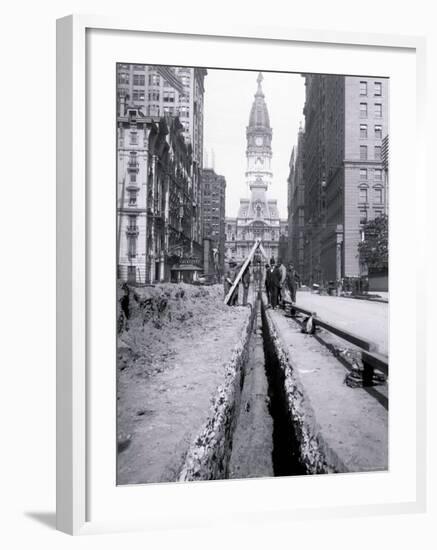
(259, 143)
(258, 215)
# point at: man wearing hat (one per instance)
(229, 280)
(245, 280)
(278, 279)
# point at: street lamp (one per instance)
(339, 242)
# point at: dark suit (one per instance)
(276, 285)
(268, 284)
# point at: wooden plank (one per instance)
(376, 360)
(342, 333)
(263, 252)
(242, 270)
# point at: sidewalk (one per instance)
(366, 318)
(341, 429)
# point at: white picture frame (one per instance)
(73, 298)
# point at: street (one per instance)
(363, 318)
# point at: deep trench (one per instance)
(285, 451)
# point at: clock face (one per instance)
(259, 140)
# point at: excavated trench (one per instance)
(264, 442)
(250, 432)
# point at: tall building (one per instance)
(258, 216)
(213, 212)
(156, 209)
(346, 120)
(296, 206)
(159, 90)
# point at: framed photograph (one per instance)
(233, 209)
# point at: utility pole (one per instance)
(339, 243)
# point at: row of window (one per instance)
(377, 110)
(377, 174)
(377, 195)
(138, 95)
(123, 78)
(377, 151)
(169, 97)
(377, 88)
(154, 79)
(132, 239)
(139, 80)
(257, 233)
(132, 198)
(377, 131)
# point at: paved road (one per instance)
(364, 318)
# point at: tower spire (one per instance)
(259, 80)
(259, 115)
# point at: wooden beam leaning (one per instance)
(242, 270)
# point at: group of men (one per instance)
(279, 281)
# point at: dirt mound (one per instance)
(150, 318)
(166, 304)
(174, 342)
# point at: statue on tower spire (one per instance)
(259, 80)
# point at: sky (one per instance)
(228, 99)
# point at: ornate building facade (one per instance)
(157, 207)
(165, 91)
(258, 215)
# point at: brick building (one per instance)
(346, 121)
(213, 212)
(296, 206)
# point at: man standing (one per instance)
(292, 281)
(234, 272)
(245, 279)
(283, 275)
(229, 281)
(278, 278)
(268, 284)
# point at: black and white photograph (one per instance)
(252, 254)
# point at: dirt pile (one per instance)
(175, 342)
(150, 318)
(166, 304)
